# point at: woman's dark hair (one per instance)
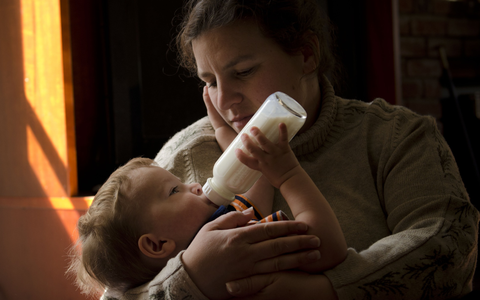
(288, 22)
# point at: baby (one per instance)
(143, 215)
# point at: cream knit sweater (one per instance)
(393, 184)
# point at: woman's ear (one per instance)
(310, 52)
(153, 247)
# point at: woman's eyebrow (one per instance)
(238, 60)
(230, 64)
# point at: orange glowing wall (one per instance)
(38, 172)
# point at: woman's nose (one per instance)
(227, 96)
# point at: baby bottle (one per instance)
(230, 176)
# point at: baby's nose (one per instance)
(197, 189)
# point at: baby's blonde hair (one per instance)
(106, 253)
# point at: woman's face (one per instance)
(241, 68)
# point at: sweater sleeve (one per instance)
(432, 249)
(172, 282)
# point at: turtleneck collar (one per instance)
(312, 139)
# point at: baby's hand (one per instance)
(276, 162)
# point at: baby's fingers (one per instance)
(261, 139)
(247, 160)
(251, 146)
(283, 135)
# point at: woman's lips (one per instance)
(240, 123)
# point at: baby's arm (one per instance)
(282, 169)
(261, 194)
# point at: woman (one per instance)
(387, 173)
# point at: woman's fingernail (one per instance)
(315, 242)
(233, 288)
(314, 255)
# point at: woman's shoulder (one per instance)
(384, 118)
(355, 111)
(191, 136)
(378, 107)
(191, 153)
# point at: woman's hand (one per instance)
(215, 118)
(223, 132)
(283, 285)
(222, 251)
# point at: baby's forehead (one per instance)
(137, 178)
(139, 171)
(142, 180)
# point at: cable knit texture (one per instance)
(394, 186)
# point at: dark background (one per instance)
(131, 96)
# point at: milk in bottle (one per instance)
(230, 176)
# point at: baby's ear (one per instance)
(153, 247)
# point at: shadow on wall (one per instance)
(35, 233)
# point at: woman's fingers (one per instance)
(249, 285)
(286, 262)
(206, 99)
(215, 118)
(223, 250)
(271, 230)
(231, 220)
(283, 245)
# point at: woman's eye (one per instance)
(208, 84)
(245, 72)
(174, 190)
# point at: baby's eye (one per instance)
(174, 190)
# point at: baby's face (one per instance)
(175, 210)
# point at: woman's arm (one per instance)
(280, 166)
(283, 285)
(431, 251)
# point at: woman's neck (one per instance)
(313, 105)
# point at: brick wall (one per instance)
(425, 25)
